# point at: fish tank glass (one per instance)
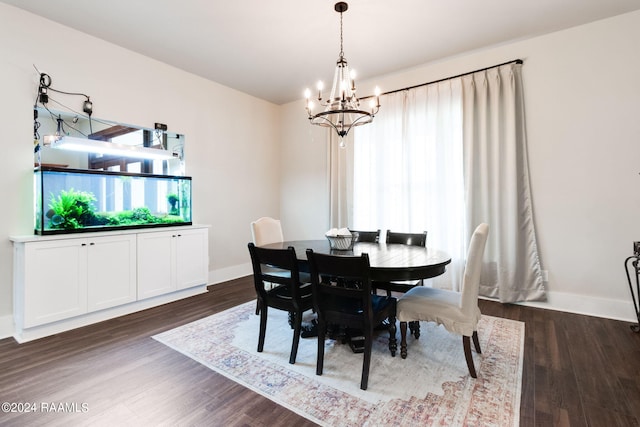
(73, 200)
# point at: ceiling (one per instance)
(274, 49)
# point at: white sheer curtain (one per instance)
(340, 161)
(444, 158)
(408, 170)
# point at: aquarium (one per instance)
(73, 200)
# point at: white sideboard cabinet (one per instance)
(168, 261)
(66, 281)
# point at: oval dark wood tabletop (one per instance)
(388, 261)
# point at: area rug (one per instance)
(431, 387)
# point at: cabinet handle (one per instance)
(92, 243)
(84, 244)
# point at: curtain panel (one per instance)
(497, 187)
(445, 157)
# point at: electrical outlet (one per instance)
(545, 275)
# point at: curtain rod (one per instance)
(516, 61)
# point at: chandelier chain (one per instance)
(341, 48)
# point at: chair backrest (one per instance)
(341, 286)
(411, 239)
(266, 230)
(473, 268)
(367, 236)
(275, 266)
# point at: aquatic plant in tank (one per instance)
(69, 201)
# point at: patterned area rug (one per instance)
(432, 387)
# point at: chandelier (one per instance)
(341, 110)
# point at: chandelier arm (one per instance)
(328, 123)
(346, 111)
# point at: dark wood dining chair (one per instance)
(367, 236)
(411, 239)
(279, 267)
(342, 296)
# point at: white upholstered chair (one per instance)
(266, 230)
(458, 312)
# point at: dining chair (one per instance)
(342, 296)
(280, 267)
(458, 312)
(410, 239)
(367, 236)
(266, 230)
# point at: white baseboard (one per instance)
(230, 273)
(42, 331)
(571, 303)
(590, 306)
(6, 326)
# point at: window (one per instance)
(408, 167)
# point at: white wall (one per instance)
(304, 205)
(582, 96)
(232, 139)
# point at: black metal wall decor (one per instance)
(632, 267)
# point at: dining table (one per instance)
(388, 261)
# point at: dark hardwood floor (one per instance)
(578, 371)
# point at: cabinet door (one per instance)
(55, 281)
(156, 264)
(111, 271)
(192, 258)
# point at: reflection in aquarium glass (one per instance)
(70, 201)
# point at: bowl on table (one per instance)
(342, 243)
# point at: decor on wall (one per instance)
(70, 136)
(110, 148)
(342, 108)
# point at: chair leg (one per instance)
(297, 328)
(322, 330)
(403, 340)
(414, 328)
(476, 342)
(393, 342)
(466, 343)
(290, 319)
(263, 327)
(366, 364)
